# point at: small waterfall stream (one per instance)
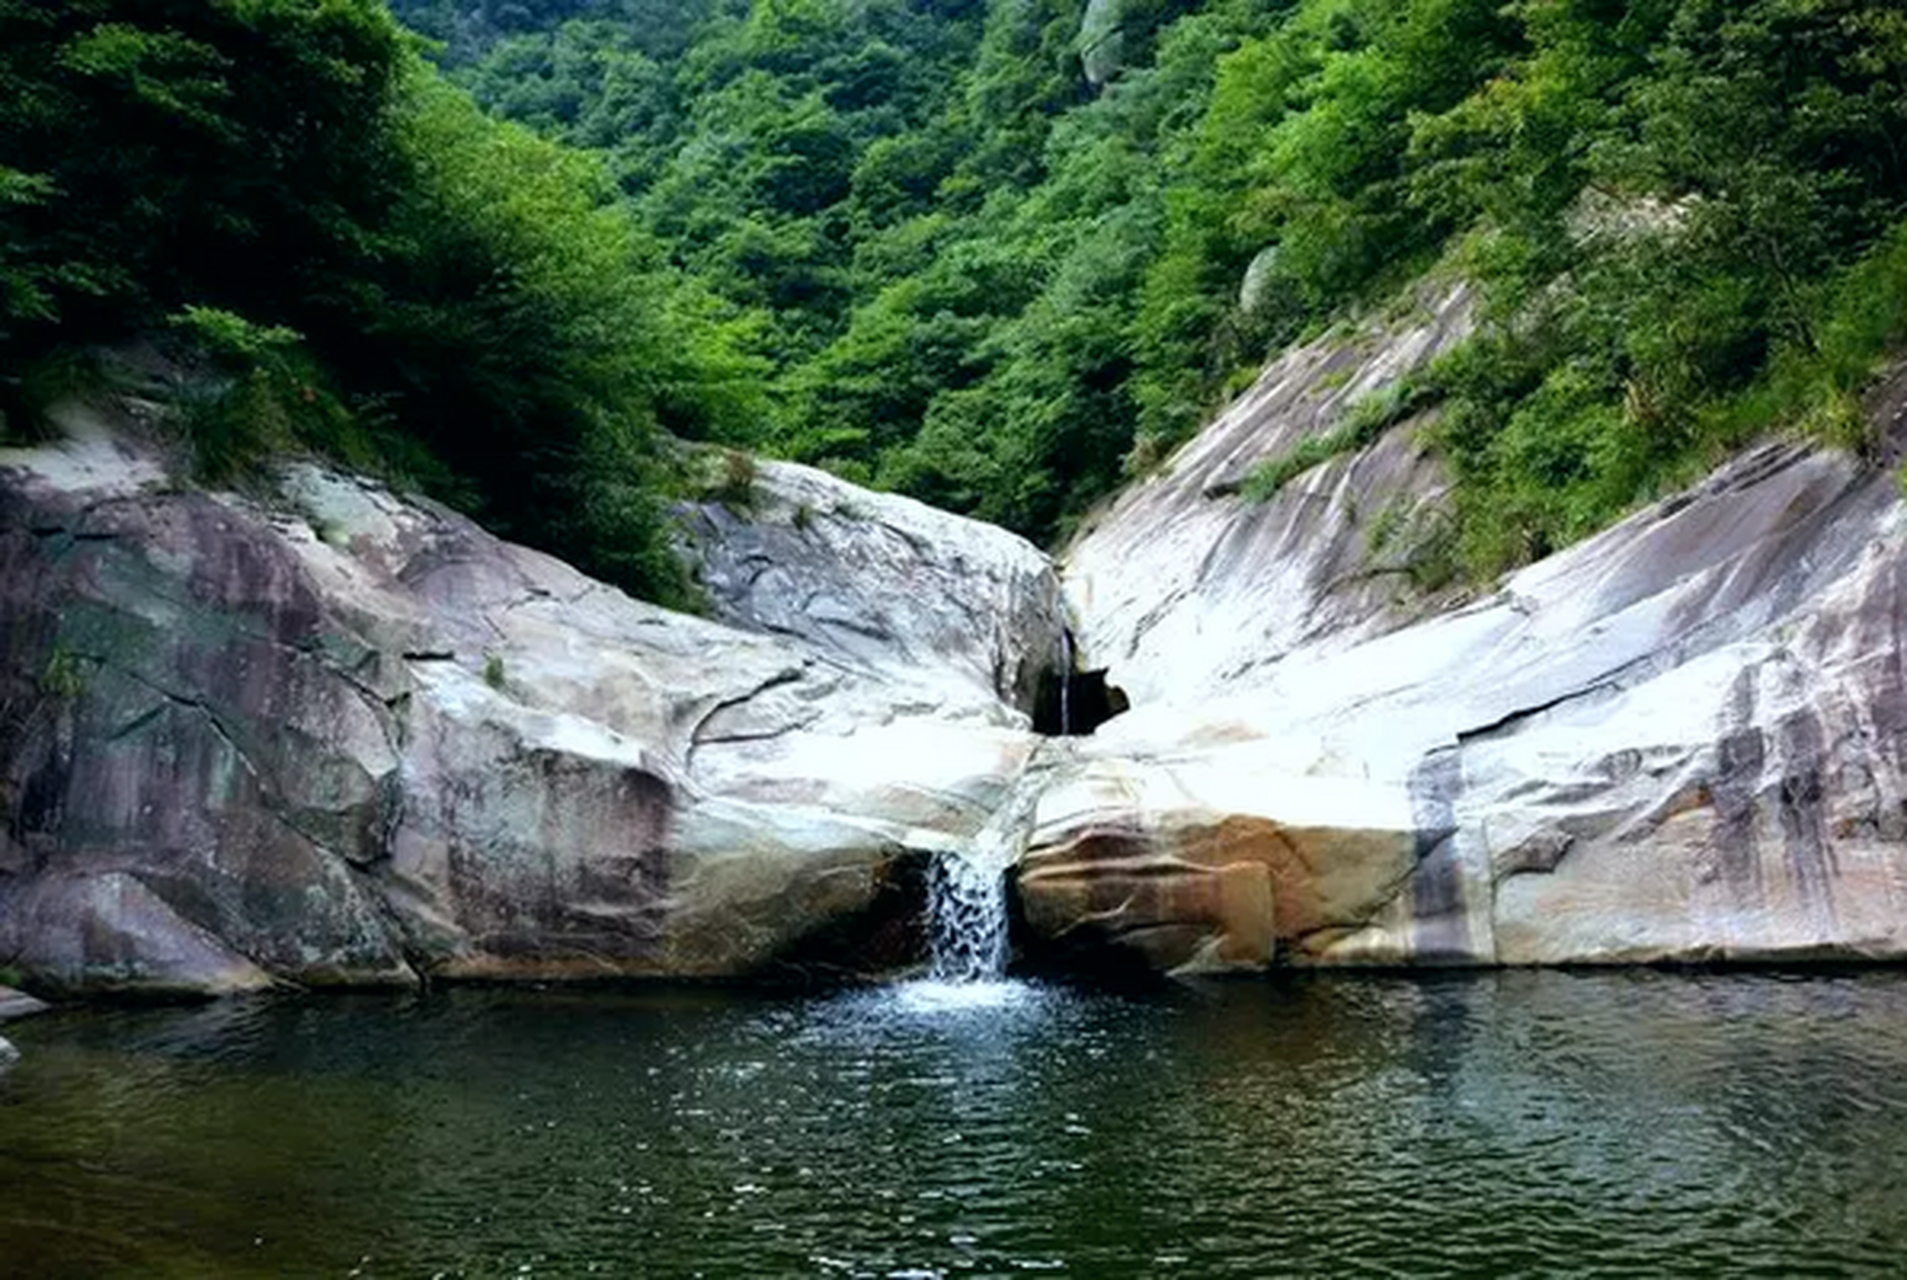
(966, 891)
(1065, 682)
(966, 904)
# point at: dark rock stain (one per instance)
(1439, 923)
(1801, 812)
(1741, 756)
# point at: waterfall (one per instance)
(966, 888)
(966, 892)
(1065, 682)
(966, 905)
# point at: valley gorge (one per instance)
(323, 735)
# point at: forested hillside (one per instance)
(342, 253)
(995, 253)
(991, 251)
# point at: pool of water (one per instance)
(1621, 1124)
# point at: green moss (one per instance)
(64, 675)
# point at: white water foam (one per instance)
(933, 996)
(966, 913)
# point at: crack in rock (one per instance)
(699, 735)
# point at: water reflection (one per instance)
(1518, 1122)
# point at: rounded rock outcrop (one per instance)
(330, 736)
(1683, 740)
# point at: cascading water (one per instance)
(966, 894)
(967, 918)
(966, 890)
(1065, 682)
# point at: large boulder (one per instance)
(879, 582)
(1212, 862)
(1682, 740)
(327, 735)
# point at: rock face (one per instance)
(1100, 41)
(1184, 590)
(327, 736)
(1680, 741)
(881, 583)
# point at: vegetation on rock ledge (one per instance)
(364, 262)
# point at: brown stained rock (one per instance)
(1196, 890)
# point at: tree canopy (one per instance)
(1000, 254)
(379, 268)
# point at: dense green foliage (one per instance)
(977, 274)
(365, 262)
(997, 253)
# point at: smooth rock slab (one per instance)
(1186, 591)
(108, 933)
(1683, 740)
(879, 581)
(18, 1004)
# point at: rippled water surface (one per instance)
(1525, 1123)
